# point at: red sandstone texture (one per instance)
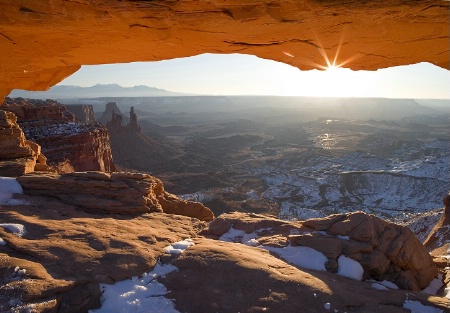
(363, 35)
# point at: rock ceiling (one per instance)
(42, 42)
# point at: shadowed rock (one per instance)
(122, 193)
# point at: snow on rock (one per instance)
(139, 295)
(350, 268)
(388, 284)
(179, 247)
(2, 242)
(417, 307)
(8, 187)
(240, 236)
(378, 286)
(301, 256)
(16, 229)
(433, 287)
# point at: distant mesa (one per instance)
(96, 91)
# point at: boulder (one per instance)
(386, 251)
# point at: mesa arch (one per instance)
(42, 42)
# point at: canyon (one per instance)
(69, 145)
(68, 237)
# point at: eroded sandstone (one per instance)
(118, 193)
(364, 35)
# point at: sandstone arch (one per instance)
(44, 42)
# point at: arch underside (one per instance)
(44, 42)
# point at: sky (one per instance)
(238, 74)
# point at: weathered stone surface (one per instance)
(122, 193)
(385, 251)
(68, 145)
(18, 156)
(362, 35)
(67, 252)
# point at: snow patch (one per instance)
(179, 247)
(16, 229)
(378, 286)
(8, 187)
(139, 295)
(350, 268)
(144, 294)
(2, 242)
(327, 306)
(433, 287)
(301, 256)
(417, 307)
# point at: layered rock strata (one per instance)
(18, 156)
(114, 193)
(386, 251)
(68, 145)
(362, 35)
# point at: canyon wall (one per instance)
(308, 34)
(69, 146)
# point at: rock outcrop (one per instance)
(111, 110)
(113, 193)
(386, 251)
(69, 146)
(84, 113)
(360, 35)
(18, 156)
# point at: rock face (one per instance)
(365, 35)
(114, 193)
(440, 234)
(385, 250)
(18, 156)
(68, 145)
(84, 113)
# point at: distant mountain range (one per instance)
(96, 91)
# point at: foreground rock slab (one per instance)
(120, 192)
(65, 253)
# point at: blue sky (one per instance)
(237, 74)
